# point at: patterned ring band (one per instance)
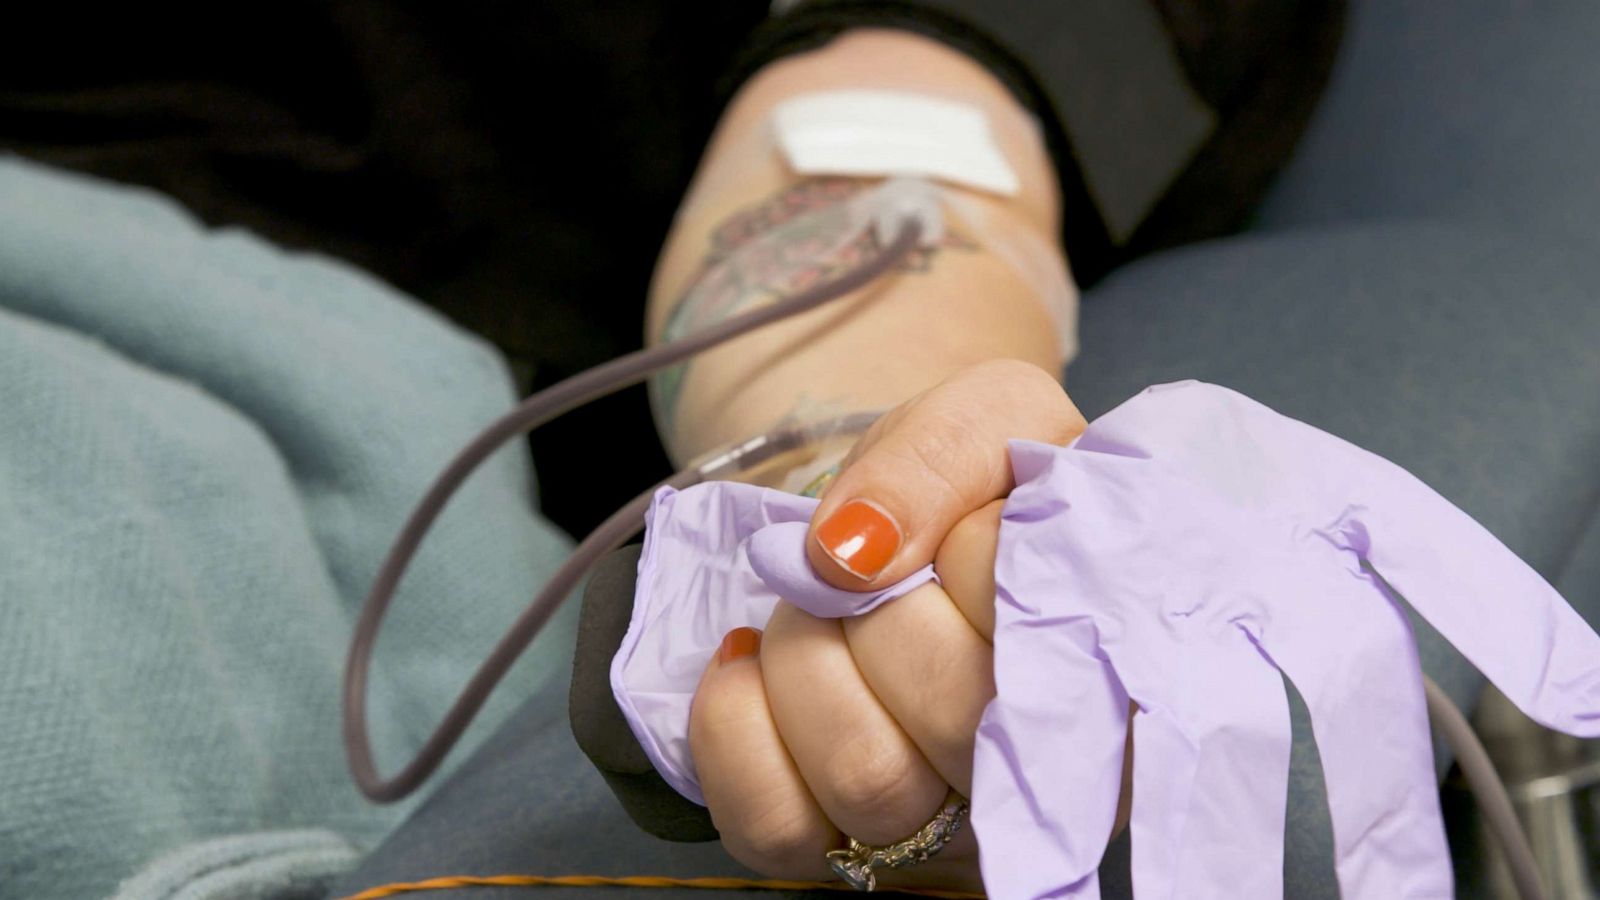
(854, 864)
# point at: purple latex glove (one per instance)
(1187, 548)
(696, 583)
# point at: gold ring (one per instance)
(854, 864)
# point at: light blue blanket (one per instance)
(206, 445)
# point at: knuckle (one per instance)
(780, 843)
(974, 532)
(1007, 368)
(1040, 393)
(1017, 379)
(953, 726)
(787, 626)
(952, 453)
(952, 733)
(871, 779)
(719, 712)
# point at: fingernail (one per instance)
(860, 537)
(737, 644)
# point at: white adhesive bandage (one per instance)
(872, 133)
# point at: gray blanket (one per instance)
(206, 445)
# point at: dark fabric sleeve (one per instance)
(1166, 120)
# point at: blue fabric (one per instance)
(271, 865)
(206, 444)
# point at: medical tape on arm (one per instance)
(868, 133)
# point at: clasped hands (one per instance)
(813, 729)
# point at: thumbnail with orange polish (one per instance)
(860, 537)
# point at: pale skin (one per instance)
(861, 726)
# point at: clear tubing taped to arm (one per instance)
(766, 268)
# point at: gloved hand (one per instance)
(1182, 552)
(861, 725)
(1189, 551)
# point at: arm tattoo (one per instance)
(793, 240)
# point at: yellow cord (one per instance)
(644, 881)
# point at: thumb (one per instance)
(926, 465)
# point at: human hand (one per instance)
(822, 728)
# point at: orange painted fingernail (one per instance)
(737, 644)
(860, 537)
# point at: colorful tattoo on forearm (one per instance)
(774, 249)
